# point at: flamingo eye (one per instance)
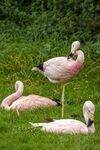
(89, 110)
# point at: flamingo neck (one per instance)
(11, 98)
(91, 129)
(80, 58)
(19, 87)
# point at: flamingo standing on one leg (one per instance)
(17, 102)
(71, 126)
(61, 69)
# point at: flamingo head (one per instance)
(19, 86)
(74, 47)
(89, 110)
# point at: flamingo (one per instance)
(61, 69)
(71, 126)
(17, 102)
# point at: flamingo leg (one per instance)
(17, 112)
(62, 100)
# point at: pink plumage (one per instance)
(17, 102)
(71, 126)
(61, 69)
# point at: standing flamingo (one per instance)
(71, 126)
(17, 102)
(61, 69)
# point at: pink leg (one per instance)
(62, 100)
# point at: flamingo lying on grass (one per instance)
(61, 69)
(71, 126)
(17, 102)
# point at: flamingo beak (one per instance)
(91, 117)
(91, 120)
(70, 56)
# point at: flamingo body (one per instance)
(71, 126)
(61, 69)
(17, 102)
(64, 126)
(32, 102)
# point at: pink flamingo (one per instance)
(61, 69)
(71, 126)
(17, 102)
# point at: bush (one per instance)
(39, 19)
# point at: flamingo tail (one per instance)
(37, 124)
(34, 68)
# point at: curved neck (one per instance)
(11, 98)
(91, 129)
(80, 57)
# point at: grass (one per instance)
(16, 60)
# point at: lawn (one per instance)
(17, 57)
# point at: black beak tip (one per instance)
(90, 122)
(70, 56)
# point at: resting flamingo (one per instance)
(17, 102)
(61, 69)
(71, 126)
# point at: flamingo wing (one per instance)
(58, 68)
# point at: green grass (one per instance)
(16, 60)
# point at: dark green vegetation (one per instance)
(34, 31)
(39, 19)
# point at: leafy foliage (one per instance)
(40, 19)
